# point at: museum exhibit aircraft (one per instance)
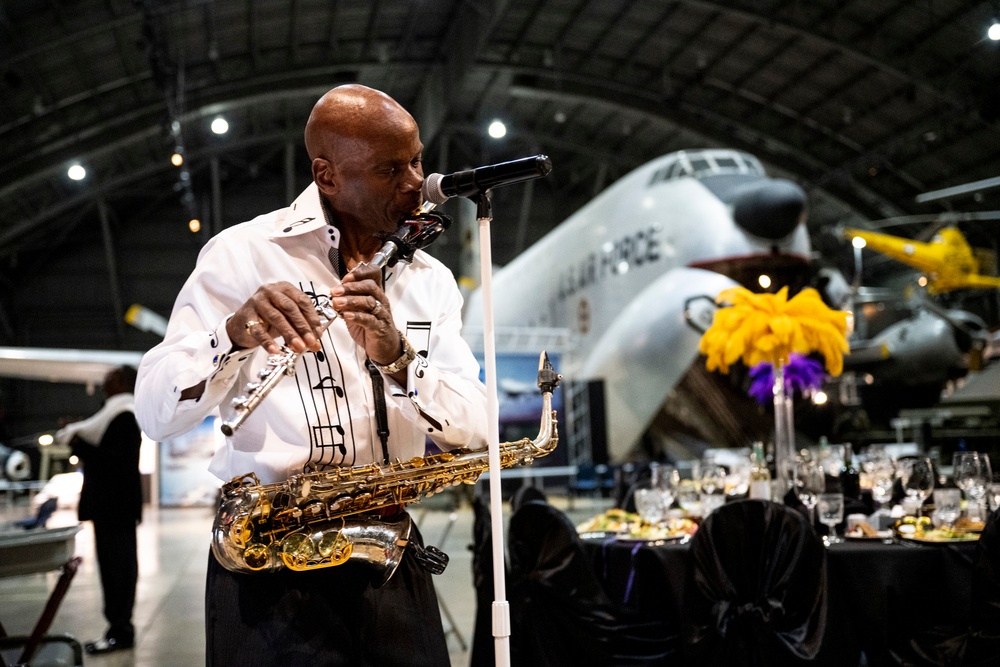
(633, 276)
(948, 260)
(634, 273)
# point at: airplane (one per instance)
(948, 259)
(637, 270)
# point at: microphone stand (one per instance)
(500, 608)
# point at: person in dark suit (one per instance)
(107, 445)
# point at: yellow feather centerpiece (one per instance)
(757, 328)
(769, 327)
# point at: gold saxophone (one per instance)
(321, 519)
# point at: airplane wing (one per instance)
(63, 365)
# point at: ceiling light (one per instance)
(76, 172)
(220, 125)
(994, 31)
(45, 439)
(764, 280)
(194, 225)
(858, 242)
(497, 129)
(177, 159)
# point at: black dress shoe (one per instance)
(107, 645)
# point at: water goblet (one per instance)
(809, 481)
(713, 488)
(947, 505)
(649, 505)
(830, 508)
(882, 480)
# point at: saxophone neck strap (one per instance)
(381, 415)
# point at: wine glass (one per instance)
(713, 487)
(882, 479)
(809, 481)
(917, 477)
(973, 475)
(830, 507)
(687, 496)
(665, 479)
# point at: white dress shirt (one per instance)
(325, 413)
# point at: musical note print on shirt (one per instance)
(419, 335)
(325, 403)
(297, 223)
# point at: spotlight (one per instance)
(220, 125)
(76, 172)
(764, 280)
(45, 439)
(858, 242)
(497, 129)
(994, 31)
(819, 397)
(177, 159)
(194, 225)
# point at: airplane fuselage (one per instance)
(620, 272)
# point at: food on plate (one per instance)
(922, 529)
(629, 525)
(863, 529)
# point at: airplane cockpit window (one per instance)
(699, 164)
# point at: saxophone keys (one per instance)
(240, 532)
(256, 556)
(297, 550)
(335, 547)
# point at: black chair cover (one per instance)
(977, 645)
(759, 595)
(560, 613)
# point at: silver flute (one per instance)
(414, 233)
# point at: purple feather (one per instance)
(801, 373)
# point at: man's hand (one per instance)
(361, 302)
(277, 309)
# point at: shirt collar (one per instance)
(305, 215)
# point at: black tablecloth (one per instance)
(879, 594)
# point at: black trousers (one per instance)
(325, 618)
(115, 544)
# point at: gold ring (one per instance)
(377, 307)
(251, 323)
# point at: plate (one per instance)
(882, 535)
(940, 537)
(630, 539)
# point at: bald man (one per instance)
(256, 285)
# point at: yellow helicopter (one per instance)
(948, 260)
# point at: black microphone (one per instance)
(472, 182)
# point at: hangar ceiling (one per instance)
(866, 104)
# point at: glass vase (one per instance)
(784, 432)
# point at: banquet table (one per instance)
(878, 593)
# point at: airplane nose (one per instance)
(769, 209)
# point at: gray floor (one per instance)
(169, 614)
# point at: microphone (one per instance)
(438, 189)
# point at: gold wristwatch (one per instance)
(402, 362)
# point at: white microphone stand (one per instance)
(500, 609)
